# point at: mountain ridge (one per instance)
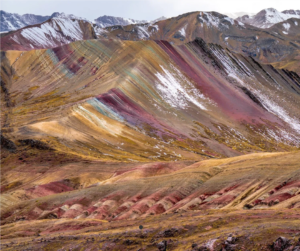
(263, 19)
(183, 86)
(213, 27)
(13, 21)
(268, 17)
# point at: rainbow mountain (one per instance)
(121, 128)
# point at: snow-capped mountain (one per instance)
(13, 21)
(289, 27)
(235, 15)
(69, 16)
(106, 21)
(51, 33)
(182, 28)
(158, 19)
(268, 17)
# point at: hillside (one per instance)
(265, 45)
(183, 134)
(199, 100)
(49, 34)
(254, 192)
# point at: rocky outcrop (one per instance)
(7, 144)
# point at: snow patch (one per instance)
(229, 20)
(177, 90)
(62, 15)
(99, 31)
(15, 38)
(267, 101)
(58, 29)
(143, 32)
(182, 31)
(287, 26)
(273, 16)
(156, 27)
(212, 20)
(272, 106)
(268, 17)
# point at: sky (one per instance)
(141, 9)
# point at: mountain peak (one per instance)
(63, 15)
(291, 12)
(268, 17)
(106, 21)
(13, 21)
(271, 10)
(159, 19)
(235, 15)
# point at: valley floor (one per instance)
(239, 203)
(192, 230)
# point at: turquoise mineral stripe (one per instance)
(104, 110)
(63, 69)
(150, 48)
(139, 82)
(52, 56)
(97, 46)
(142, 84)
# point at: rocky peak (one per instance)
(13, 21)
(268, 17)
(292, 12)
(63, 15)
(106, 21)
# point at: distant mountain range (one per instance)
(213, 27)
(106, 21)
(263, 19)
(268, 17)
(235, 15)
(13, 21)
(54, 32)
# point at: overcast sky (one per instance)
(141, 9)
